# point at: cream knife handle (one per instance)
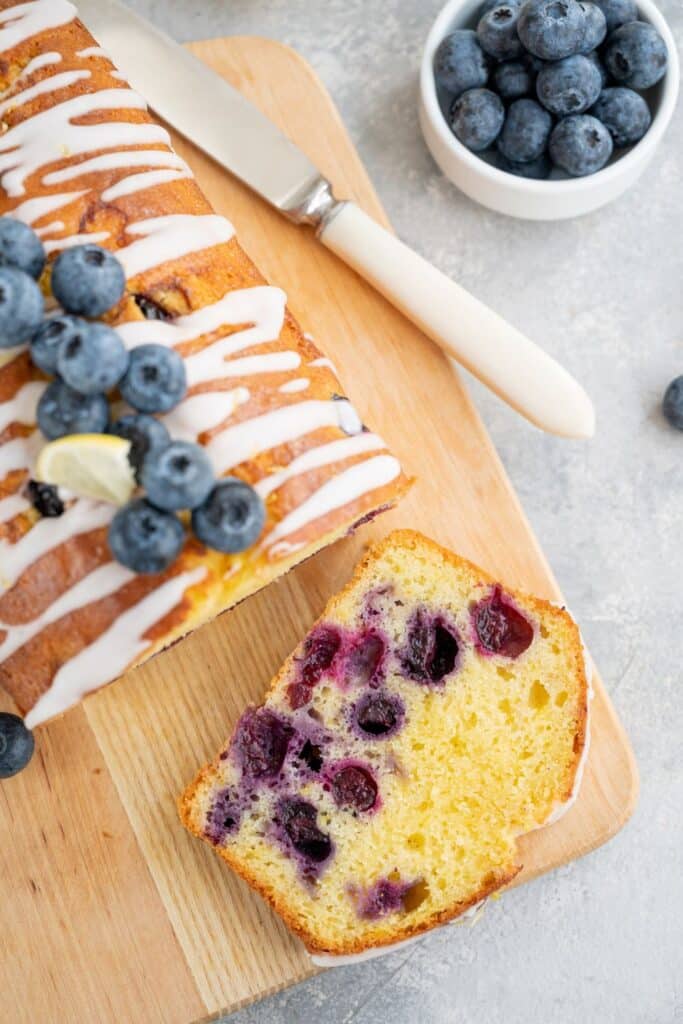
(516, 369)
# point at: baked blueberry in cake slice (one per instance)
(430, 717)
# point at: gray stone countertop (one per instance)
(601, 940)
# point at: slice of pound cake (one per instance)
(429, 718)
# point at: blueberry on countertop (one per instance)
(525, 133)
(87, 280)
(497, 32)
(580, 145)
(512, 79)
(45, 499)
(617, 12)
(146, 434)
(635, 55)
(155, 380)
(569, 86)
(552, 29)
(537, 170)
(232, 517)
(596, 26)
(624, 113)
(672, 406)
(145, 539)
(179, 476)
(61, 411)
(21, 307)
(93, 359)
(460, 63)
(20, 247)
(16, 745)
(476, 118)
(49, 336)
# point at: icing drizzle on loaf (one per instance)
(78, 138)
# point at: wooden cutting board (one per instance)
(109, 911)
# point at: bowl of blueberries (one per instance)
(547, 109)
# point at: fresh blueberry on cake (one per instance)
(20, 247)
(21, 307)
(93, 360)
(87, 280)
(430, 718)
(16, 745)
(155, 380)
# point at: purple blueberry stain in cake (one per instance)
(499, 628)
(383, 897)
(365, 659)
(296, 822)
(353, 786)
(260, 743)
(320, 650)
(431, 649)
(377, 715)
(373, 601)
(224, 816)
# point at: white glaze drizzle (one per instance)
(341, 489)
(291, 387)
(43, 60)
(93, 51)
(22, 408)
(323, 455)
(116, 161)
(202, 412)
(84, 515)
(139, 182)
(104, 580)
(50, 135)
(170, 238)
(113, 651)
(45, 85)
(12, 506)
(19, 453)
(25, 20)
(32, 210)
(93, 237)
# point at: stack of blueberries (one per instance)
(90, 364)
(550, 83)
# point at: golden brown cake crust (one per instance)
(384, 934)
(179, 287)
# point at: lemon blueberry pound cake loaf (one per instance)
(429, 718)
(128, 311)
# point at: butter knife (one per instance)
(226, 126)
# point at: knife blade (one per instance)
(213, 115)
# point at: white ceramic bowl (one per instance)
(524, 197)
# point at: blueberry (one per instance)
(299, 819)
(49, 336)
(512, 79)
(672, 406)
(146, 435)
(594, 58)
(87, 280)
(144, 538)
(20, 247)
(635, 55)
(21, 307)
(378, 714)
(261, 742)
(596, 26)
(61, 411)
(16, 745)
(431, 650)
(231, 518)
(476, 118)
(580, 145)
(617, 12)
(624, 113)
(364, 659)
(497, 32)
(500, 628)
(525, 133)
(460, 63)
(155, 380)
(92, 360)
(552, 29)
(569, 86)
(224, 816)
(178, 476)
(537, 169)
(45, 499)
(354, 788)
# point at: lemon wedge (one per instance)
(91, 465)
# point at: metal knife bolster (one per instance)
(313, 204)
